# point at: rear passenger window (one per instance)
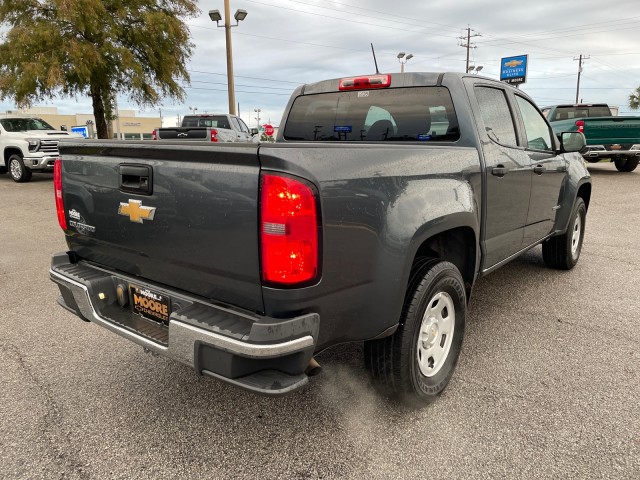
(496, 116)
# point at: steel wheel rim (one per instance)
(575, 236)
(436, 334)
(16, 171)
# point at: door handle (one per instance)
(499, 171)
(539, 169)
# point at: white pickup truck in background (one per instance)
(214, 127)
(28, 145)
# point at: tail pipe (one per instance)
(313, 369)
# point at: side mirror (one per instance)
(572, 141)
(254, 131)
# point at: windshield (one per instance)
(568, 113)
(218, 121)
(419, 114)
(24, 124)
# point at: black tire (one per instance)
(592, 160)
(628, 164)
(17, 170)
(397, 363)
(563, 252)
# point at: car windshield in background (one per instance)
(567, 113)
(211, 122)
(24, 124)
(413, 114)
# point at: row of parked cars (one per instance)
(30, 145)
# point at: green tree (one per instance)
(634, 99)
(99, 48)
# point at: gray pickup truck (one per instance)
(367, 220)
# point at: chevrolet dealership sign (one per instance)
(513, 70)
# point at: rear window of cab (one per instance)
(410, 114)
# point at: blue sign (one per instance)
(342, 129)
(514, 69)
(82, 130)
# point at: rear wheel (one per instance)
(416, 363)
(626, 164)
(562, 252)
(18, 171)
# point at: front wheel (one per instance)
(626, 164)
(416, 363)
(18, 171)
(562, 252)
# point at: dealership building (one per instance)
(127, 125)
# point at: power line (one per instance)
(350, 20)
(241, 91)
(451, 28)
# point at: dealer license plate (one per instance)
(150, 304)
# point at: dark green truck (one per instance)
(615, 138)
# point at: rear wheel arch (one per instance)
(457, 246)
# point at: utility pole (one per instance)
(580, 59)
(468, 44)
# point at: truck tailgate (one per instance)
(183, 133)
(202, 236)
(612, 130)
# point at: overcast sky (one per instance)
(282, 44)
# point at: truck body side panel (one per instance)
(379, 204)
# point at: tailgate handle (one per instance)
(136, 179)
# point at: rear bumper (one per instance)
(600, 151)
(265, 355)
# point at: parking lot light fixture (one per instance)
(403, 58)
(215, 16)
(240, 15)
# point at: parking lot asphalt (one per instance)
(548, 383)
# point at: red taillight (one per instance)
(214, 135)
(580, 125)
(288, 230)
(370, 81)
(155, 134)
(57, 188)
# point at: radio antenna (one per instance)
(374, 59)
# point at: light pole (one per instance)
(477, 69)
(215, 16)
(257, 117)
(401, 57)
(193, 110)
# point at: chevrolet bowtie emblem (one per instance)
(136, 212)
